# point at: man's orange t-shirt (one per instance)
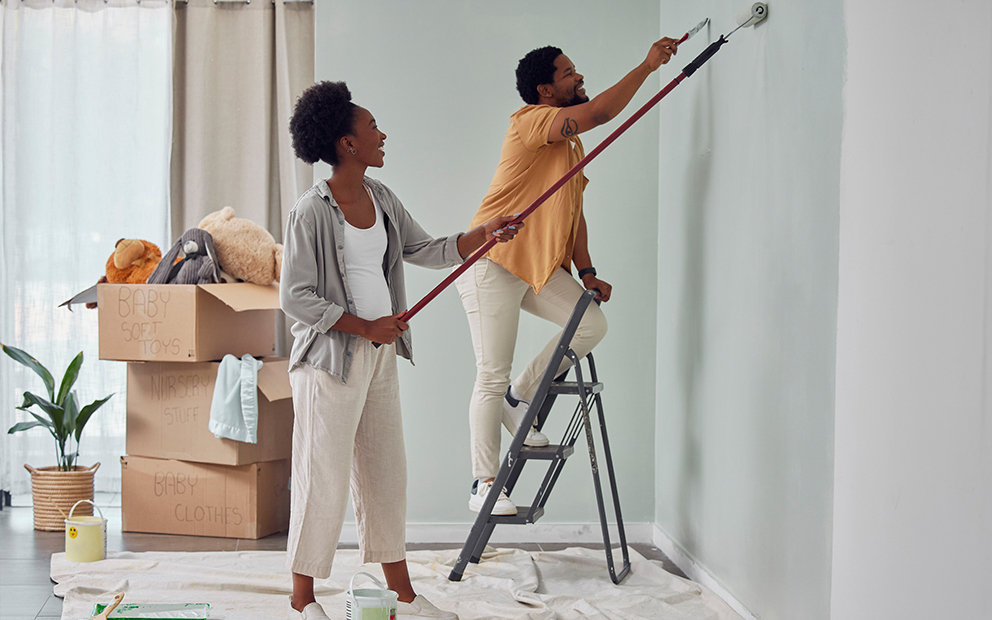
(528, 166)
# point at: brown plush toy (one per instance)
(133, 261)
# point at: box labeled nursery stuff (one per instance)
(186, 322)
(168, 411)
(162, 496)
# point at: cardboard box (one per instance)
(186, 323)
(168, 409)
(192, 499)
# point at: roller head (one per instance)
(752, 15)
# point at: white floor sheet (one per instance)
(508, 583)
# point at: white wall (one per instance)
(913, 482)
(439, 78)
(747, 295)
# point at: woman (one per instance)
(342, 282)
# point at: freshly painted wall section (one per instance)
(439, 78)
(747, 296)
(913, 482)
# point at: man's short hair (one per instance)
(323, 114)
(534, 69)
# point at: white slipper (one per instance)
(313, 611)
(422, 608)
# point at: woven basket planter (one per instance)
(53, 493)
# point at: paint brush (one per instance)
(106, 612)
(689, 34)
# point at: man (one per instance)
(540, 146)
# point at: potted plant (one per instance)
(55, 489)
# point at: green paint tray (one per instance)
(165, 611)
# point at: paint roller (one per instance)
(745, 19)
(751, 16)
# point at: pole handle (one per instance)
(705, 55)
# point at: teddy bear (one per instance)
(245, 250)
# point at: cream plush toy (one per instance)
(245, 250)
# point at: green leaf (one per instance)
(30, 400)
(46, 423)
(40, 422)
(70, 411)
(69, 378)
(23, 358)
(54, 411)
(86, 413)
(23, 426)
(27, 400)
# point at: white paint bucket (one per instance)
(370, 603)
(85, 537)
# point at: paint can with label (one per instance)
(370, 603)
(85, 537)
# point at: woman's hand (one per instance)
(499, 227)
(385, 330)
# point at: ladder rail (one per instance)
(611, 472)
(594, 462)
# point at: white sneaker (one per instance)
(313, 611)
(422, 608)
(513, 415)
(504, 507)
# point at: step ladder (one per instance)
(549, 389)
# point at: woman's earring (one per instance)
(352, 150)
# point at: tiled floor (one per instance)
(25, 554)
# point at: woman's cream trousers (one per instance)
(347, 435)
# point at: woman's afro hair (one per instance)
(323, 114)
(534, 69)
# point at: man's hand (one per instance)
(592, 282)
(661, 52)
(385, 330)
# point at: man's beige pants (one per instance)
(493, 298)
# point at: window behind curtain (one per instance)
(86, 92)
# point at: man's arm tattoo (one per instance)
(569, 128)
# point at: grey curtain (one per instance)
(238, 68)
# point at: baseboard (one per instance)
(684, 560)
(558, 533)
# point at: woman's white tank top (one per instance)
(364, 252)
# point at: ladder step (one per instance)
(522, 517)
(572, 387)
(546, 453)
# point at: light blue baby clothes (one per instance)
(234, 408)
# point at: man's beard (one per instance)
(575, 100)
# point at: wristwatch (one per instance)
(587, 271)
